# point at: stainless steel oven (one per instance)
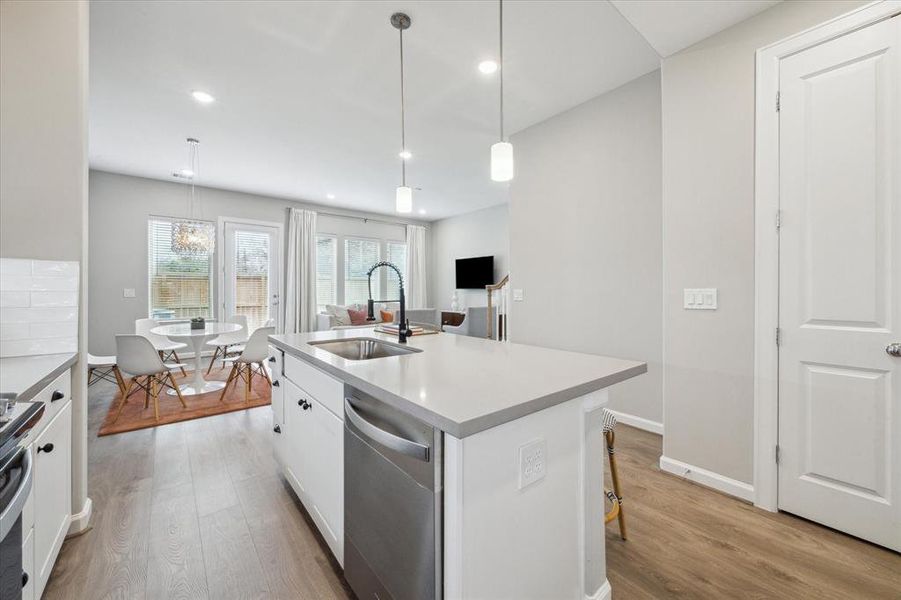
(15, 485)
(393, 498)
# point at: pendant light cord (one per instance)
(403, 132)
(501, 56)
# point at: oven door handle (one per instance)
(14, 509)
(389, 440)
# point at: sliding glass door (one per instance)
(251, 273)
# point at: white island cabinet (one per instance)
(519, 453)
(308, 428)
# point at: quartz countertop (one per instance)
(461, 384)
(28, 375)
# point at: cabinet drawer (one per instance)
(54, 396)
(327, 390)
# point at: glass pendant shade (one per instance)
(191, 238)
(502, 161)
(404, 200)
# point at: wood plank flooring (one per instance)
(198, 510)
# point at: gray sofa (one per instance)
(475, 323)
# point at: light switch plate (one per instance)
(128, 293)
(532, 462)
(517, 295)
(699, 298)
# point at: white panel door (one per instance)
(840, 284)
(251, 273)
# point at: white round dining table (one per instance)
(196, 338)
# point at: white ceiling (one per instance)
(307, 93)
(671, 26)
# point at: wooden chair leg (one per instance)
(213, 360)
(614, 475)
(265, 373)
(228, 381)
(124, 398)
(155, 392)
(176, 388)
(249, 371)
(146, 392)
(119, 380)
(175, 354)
(91, 376)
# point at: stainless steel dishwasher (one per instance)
(393, 499)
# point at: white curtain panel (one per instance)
(417, 267)
(300, 284)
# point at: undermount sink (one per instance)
(363, 348)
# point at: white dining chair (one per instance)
(255, 353)
(163, 345)
(104, 368)
(229, 343)
(138, 358)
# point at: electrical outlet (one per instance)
(699, 298)
(532, 462)
(128, 293)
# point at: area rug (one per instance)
(135, 416)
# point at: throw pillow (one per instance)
(340, 313)
(387, 316)
(357, 317)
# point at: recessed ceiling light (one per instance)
(405, 154)
(330, 196)
(422, 211)
(488, 67)
(202, 97)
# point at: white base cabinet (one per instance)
(277, 375)
(311, 440)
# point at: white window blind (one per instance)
(359, 256)
(252, 277)
(326, 271)
(397, 254)
(179, 284)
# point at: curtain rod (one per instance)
(365, 219)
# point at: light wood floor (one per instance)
(198, 510)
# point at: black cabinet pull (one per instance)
(271, 359)
(48, 448)
(304, 404)
(277, 429)
(276, 383)
(24, 578)
(56, 395)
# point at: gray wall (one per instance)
(708, 215)
(480, 233)
(119, 208)
(585, 240)
(44, 162)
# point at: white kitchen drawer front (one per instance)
(28, 564)
(54, 396)
(323, 387)
(298, 432)
(52, 493)
(328, 467)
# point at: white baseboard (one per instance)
(602, 593)
(727, 485)
(638, 422)
(81, 520)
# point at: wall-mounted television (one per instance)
(475, 273)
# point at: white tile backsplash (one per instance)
(38, 306)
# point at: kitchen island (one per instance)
(510, 448)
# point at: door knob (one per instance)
(894, 349)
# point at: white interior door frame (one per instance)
(766, 237)
(220, 263)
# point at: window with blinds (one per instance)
(326, 271)
(359, 256)
(180, 284)
(251, 266)
(397, 254)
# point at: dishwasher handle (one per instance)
(387, 439)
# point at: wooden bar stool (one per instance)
(615, 495)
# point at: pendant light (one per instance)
(403, 202)
(191, 237)
(502, 151)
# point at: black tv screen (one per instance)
(475, 273)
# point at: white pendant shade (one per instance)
(404, 200)
(502, 161)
